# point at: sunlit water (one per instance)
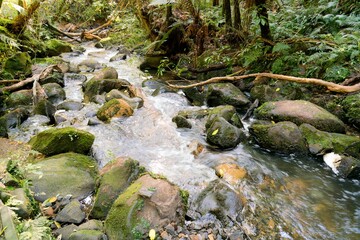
(303, 197)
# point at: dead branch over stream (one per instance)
(34, 78)
(333, 87)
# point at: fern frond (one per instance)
(9, 41)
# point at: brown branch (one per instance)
(329, 85)
(22, 83)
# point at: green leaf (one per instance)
(280, 47)
(215, 132)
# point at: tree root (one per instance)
(333, 87)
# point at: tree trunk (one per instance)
(264, 19)
(215, 3)
(168, 15)
(237, 15)
(227, 12)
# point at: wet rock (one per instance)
(46, 108)
(75, 77)
(88, 235)
(343, 166)
(181, 122)
(94, 87)
(227, 112)
(12, 120)
(18, 65)
(54, 77)
(24, 209)
(115, 177)
(18, 98)
(89, 65)
(284, 137)
(66, 231)
(196, 96)
(55, 47)
(70, 105)
(320, 141)
(223, 134)
(54, 92)
(161, 208)
(298, 112)
(61, 140)
(114, 108)
(134, 102)
(71, 213)
(351, 105)
(63, 174)
(220, 200)
(119, 56)
(94, 121)
(230, 172)
(225, 94)
(105, 73)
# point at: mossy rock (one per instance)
(105, 73)
(147, 203)
(227, 112)
(18, 65)
(320, 141)
(94, 87)
(54, 77)
(276, 92)
(55, 47)
(46, 108)
(116, 176)
(114, 108)
(18, 98)
(63, 174)
(223, 134)
(54, 92)
(351, 105)
(181, 122)
(299, 112)
(83, 234)
(62, 140)
(283, 137)
(225, 94)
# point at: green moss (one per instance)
(55, 47)
(184, 198)
(320, 140)
(122, 218)
(263, 111)
(69, 139)
(48, 60)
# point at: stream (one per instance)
(301, 195)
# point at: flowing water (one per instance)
(299, 197)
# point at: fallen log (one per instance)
(333, 87)
(35, 77)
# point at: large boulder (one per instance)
(223, 134)
(284, 137)
(115, 177)
(61, 140)
(279, 91)
(225, 94)
(114, 108)
(18, 65)
(298, 112)
(105, 73)
(54, 92)
(63, 174)
(55, 47)
(94, 87)
(46, 108)
(351, 106)
(147, 203)
(320, 141)
(227, 112)
(54, 77)
(19, 98)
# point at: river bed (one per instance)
(300, 194)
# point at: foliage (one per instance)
(35, 229)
